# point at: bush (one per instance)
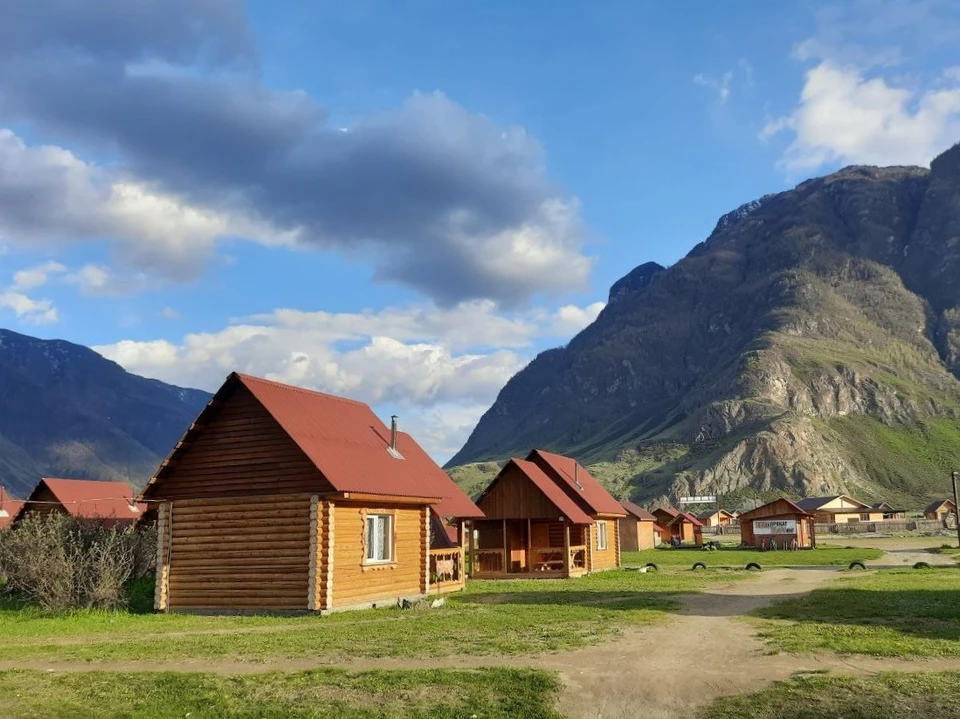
(60, 562)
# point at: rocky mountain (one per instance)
(811, 344)
(65, 411)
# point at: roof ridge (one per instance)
(244, 378)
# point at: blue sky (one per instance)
(403, 202)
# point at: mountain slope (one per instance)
(814, 333)
(67, 411)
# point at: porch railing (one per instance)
(546, 559)
(446, 568)
(489, 560)
(578, 557)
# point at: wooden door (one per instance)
(517, 545)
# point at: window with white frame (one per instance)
(601, 536)
(379, 538)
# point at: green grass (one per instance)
(324, 693)
(491, 617)
(823, 556)
(908, 613)
(885, 696)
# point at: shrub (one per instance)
(60, 562)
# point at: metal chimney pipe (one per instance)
(393, 432)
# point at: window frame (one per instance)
(389, 541)
(601, 524)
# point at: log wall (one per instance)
(604, 558)
(239, 450)
(355, 582)
(241, 553)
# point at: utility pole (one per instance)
(956, 503)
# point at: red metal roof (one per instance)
(669, 511)
(687, 517)
(8, 508)
(797, 509)
(567, 507)
(350, 445)
(638, 511)
(569, 471)
(90, 499)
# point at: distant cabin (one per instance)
(545, 516)
(280, 498)
(637, 529)
(889, 512)
(9, 508)
(781, 522)
(664, 516)
(686, 529)
(940, 510)
(113, 503)
(716, 518)
(840, 509)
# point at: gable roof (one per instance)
(90, 498)
(815, 503)
(9, 507)
(713, 512)
(569, 471)
(638, 511)
(349, 445)
(669, 511)
(936, 505)
(686, 517)
(794, 506)
(552, 490)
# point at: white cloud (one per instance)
(723, 83)
(168, 313)
(29, 310)
(846, 117)
(425, 361)
(32, 277)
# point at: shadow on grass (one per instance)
(921, 604)
(601, 600)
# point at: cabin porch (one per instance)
(528, 547)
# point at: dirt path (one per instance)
(669, 670)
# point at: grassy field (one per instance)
(317, 694)
(909, 613)
(886, 696)
(824, 556)
(491, 617)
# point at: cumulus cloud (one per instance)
(433, 196)
(849, 118)
(429, 361)
(29, 310)
(31, 277)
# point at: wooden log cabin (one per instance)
(9, 508)
(283, 499)
(112, 503)
(781, 523)
(638, 530)
(545, 516)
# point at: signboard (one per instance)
(708, 499)
(775, 526)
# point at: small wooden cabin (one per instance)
(940, 510)
(545, 516)
(281, 498)
(716, 518)
(9, 508)
(110, 502)
(686, 529)
(781, 522)
(840, 509)
(637, 529)
(664, 515)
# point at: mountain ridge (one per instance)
(763, 356)
(67, 411)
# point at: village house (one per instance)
(664, 515)
(112, 503)
(839, 509)
(888, 510)
(940, 510)
(282, 498)
(9, 507)
(545, 516)
(716, 518)
(685, 529)
(638, 529)
(780, 524)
